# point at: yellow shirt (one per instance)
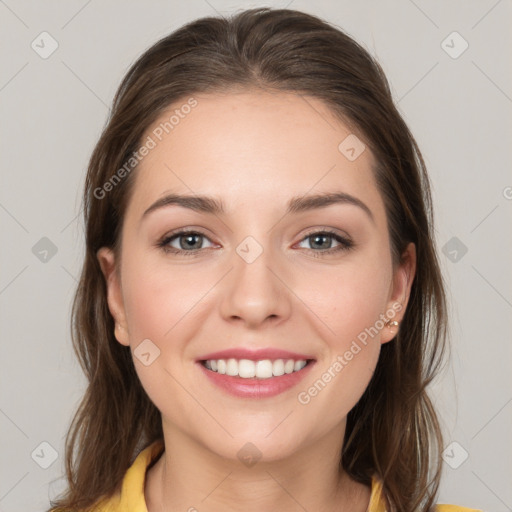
(131, 497)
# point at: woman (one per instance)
(260, 309)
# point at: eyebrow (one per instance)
(206, 204)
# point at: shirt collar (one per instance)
(132, 497)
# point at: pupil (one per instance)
(189, 240)
(319, 237)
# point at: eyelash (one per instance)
(345, 243)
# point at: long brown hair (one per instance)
(393, 431)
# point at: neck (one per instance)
(190, 477)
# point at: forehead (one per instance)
(253, 149)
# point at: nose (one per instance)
(254, 292)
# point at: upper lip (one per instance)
(254, 355)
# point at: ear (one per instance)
(403, 278)
(107, 263)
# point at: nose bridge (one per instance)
(253, 292)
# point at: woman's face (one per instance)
(260, 275)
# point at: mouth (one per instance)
(255, 378)
(259, 369)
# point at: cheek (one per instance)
(349, 298)
(349, 301)
(157, 299)
(162, 305)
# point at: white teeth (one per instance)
(264, 369)
(289, 365)
(299, 365)
(221, 366)
(232, 367)
(278, 367)
(247, 369)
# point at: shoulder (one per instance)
(455, 508)
(377, 502)
(130, 498)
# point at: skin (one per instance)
(254, 150)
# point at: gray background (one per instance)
(53, 110)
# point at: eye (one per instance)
(190, 242)
(322, 242)
(184, 242)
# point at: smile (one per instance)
(265, 378)
(248, 369)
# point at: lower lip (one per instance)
(256, 388)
